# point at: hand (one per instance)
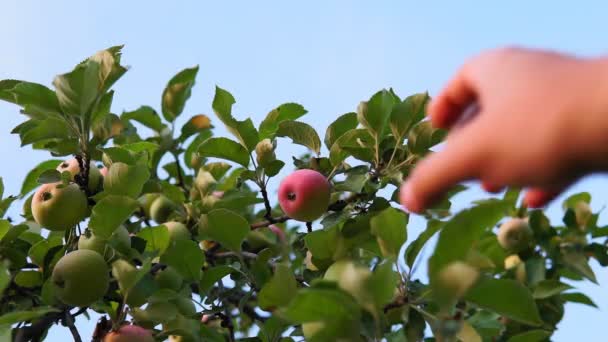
(542, 123)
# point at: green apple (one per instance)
(120, 237)
(350, 277)
(204, 181)
(59, 207)
(169, 278)
(162, 208)
(80, 278)
(177, 231)
(310, 329)
(512, 261)
(583, 214)
(515, 235)
(456, 279)
(304, 195)
(72, 166)
(129, 333)
(145, 202)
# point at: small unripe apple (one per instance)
(200, 121)
(72, 166)
(80, 278)
(512, 261)
(350, 277)
(95, 243)
(169, 278)
(515, 235)
(457, 278)
(264, 152)
(304, 195)
(177, 231)
(162, 208)
(129, 333)
(204, 181)
(145, 202)
(59, 207)
(278, 232)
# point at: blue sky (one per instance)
(326, 55)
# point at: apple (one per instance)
(304, 195)
(162, 208)
(512, 261)
(204, 181)
(80, 278)
(169, 278)
(129, 333)
(457, 278)
(264, 152)
(350, 277)
(120, 237)
(515, 235)
(59, 207)
(278, 232)
(177, 231)
(145, 202)
(583, 214)
(72, 166)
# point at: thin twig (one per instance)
(268, 215)
(69, 322)
(180, 176)
(267, 223)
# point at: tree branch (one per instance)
(180, 176)
(268, 215)
(267, 223)
(68, 320)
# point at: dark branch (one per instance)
(180, 176)
(267, 223)
(68, 320)
(268, 215)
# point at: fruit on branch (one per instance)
(456, 279)
(177, 231)
(145, 202)
(264, 152)
(119, 238)
(162, 208)
(59, 207)
(80, 278)
(304, 195)
(512, 261)
(350, 277)
(72, 166)
(278, 232)
(515, 235)
(129, 333)
(204, 182)
(169, 278)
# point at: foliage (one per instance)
(230, 276)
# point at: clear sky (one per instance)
(326, 55)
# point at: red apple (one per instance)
(304, 195)
(129, 333)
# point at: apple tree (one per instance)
(171, 232)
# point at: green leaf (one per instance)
(109, 213)
(356, 179)
(24, 316)
(407, 113)
(44, 130)
(127, 180)
(146, 116)
(196, 124)
(340, 126)
(186, 257)
(423, 136)
(177, 92)
(13, 233)
(284, 112)
(549, 288)
(573, 200)
(580, 298)
(531, 336)
(415, 247)
(356, 142)
(35, 98)
(49, 176)
(578, 263)
(460, 233)
(279, 291)
(390, 228)
(78, 89)
(102, 112)
(224, 148)
(375, 113)
(227, 227)
(5, 277)
(157, 238)
(213, 275)
(301, 134)
(382, 284)
(515, 301)
(315, 304)
(244, 131)
(28, 279)
(322, 243)
(30, 182)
